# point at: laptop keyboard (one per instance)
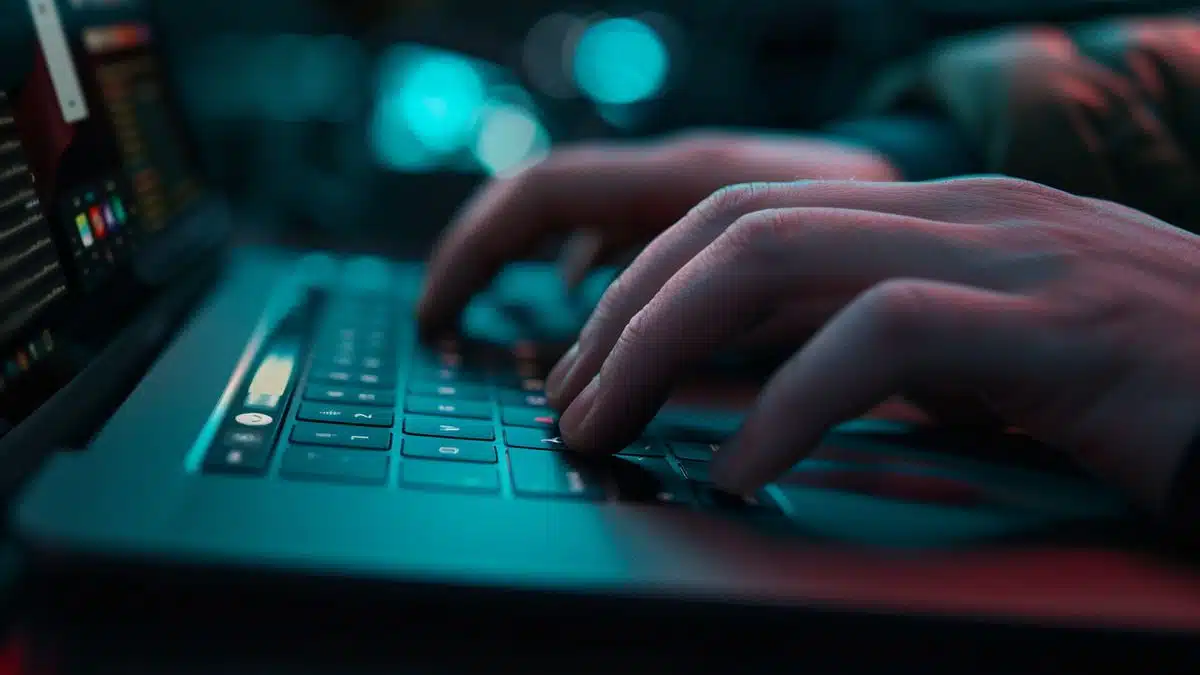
(374, 409)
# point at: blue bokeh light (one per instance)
(441, 96)
(509, 137)
(428, 106)
(620, 61)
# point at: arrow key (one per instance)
(536, 439)
(448, 427)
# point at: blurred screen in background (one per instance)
(365, 123)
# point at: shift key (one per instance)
(342, 436)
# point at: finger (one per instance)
(580, 254)
(795, 322)
(604, 187)
(901, 334)
(670, 251)
(741, 278)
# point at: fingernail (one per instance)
(560, 372)
(575, 421)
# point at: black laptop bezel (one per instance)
(104, 340)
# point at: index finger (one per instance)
(596, 187)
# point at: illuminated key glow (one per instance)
(271, 379)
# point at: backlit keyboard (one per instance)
(361, 403)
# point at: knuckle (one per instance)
(638, 332)
(893, 309)
(733, 201)
(727, 205)
(758, 235)
(1003, 197)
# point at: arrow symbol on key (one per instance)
(447, 427)
(556, 440)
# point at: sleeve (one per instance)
(1108, 110)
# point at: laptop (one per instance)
(174, 400)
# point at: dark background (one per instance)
(311, 174)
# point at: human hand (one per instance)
(624, 195)
(1075, 319)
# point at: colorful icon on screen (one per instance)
(85, 233)
(109, 218)
(97, 221)
(118, 209)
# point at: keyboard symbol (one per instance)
(254, 419)
(330, 413)
(449, 427)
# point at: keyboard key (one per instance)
(352, 377)
(644, 448)
(434, 406)
(449, 428)
(245, 439)
(238, 460)
(376, 380)
(349, 358)
(533, 385)
(529, 417)
(459, 477)
(425, 359)
(541, 474)
(342, 436)
(380, 398)
(383, 399)
(341, 414)
(335, 465)
(336, 375)
(521, 398)
(327, 393)
(520, 437)
(693, 452)
(461, 391)
(452, 450)
(696, 471)
(448, 375)
(650, 480)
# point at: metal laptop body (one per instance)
(236, 451)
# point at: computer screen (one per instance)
(93, 168)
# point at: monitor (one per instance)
(94, 170)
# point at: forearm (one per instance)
(1109, 110)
